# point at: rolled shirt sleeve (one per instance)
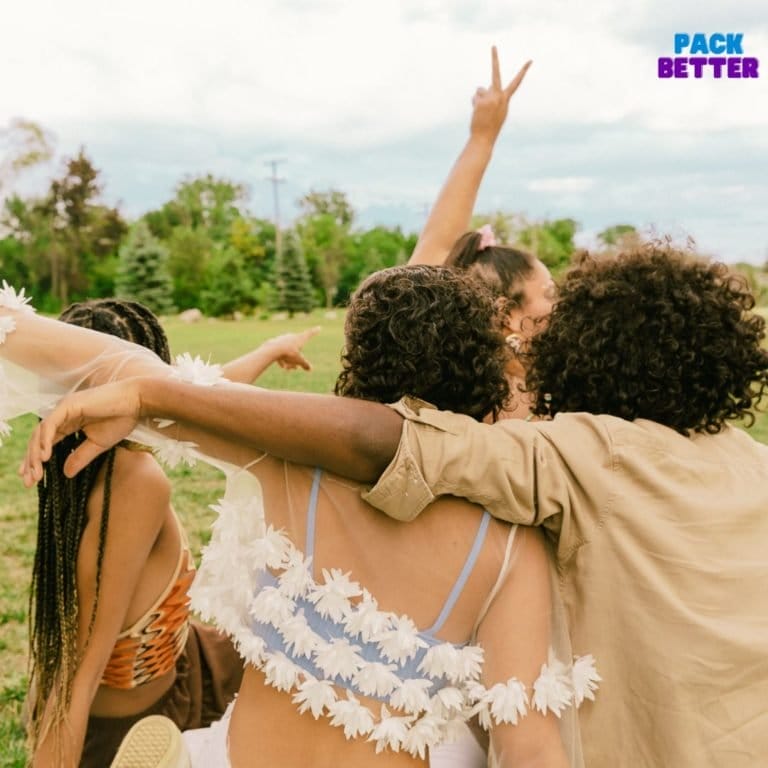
(556, 473)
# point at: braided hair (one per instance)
(62, 517)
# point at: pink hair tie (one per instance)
(487, 238)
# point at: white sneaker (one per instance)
(153, 742)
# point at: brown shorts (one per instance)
(208, 675)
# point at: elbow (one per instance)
(377, 439)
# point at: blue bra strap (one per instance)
(309, 548)
(469, 564)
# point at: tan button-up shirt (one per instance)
(662, 552)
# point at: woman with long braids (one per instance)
(111, 637)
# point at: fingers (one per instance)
(294, 360)
(31, 469)
(303, 337)
(495, 71)
(82, 456)
(515, 84)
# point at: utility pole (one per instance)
(275, 179)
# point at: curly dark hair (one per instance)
(424, 331)
(654, 333)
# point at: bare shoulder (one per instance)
(139, 470)
(138, 486)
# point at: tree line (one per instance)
(203, 248)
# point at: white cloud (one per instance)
(562, 184)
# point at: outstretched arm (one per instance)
(451, 214)
(353, 438)
(285, 350)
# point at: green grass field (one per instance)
(194, 489)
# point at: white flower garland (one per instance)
(244, 549)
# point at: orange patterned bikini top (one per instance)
(150, 647)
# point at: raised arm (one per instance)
(451, 214)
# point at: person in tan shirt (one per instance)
(658, 508)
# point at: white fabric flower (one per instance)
(173, 452)
(584, 678)
(349, 713)
(271, 606)
(5, 430)
(10, 299)
(402, 641)
(389, 732)
(271, 550)
(7, 325)
(552, 690)
(443, 660)
(337, 658)
(194, 370)
(331, 598)
(448, 701)
(425, 733)
(470, 662)
(296, 579)
(366, 621)
(251, 648)
(412, 695)
(163, 423)
(299, 638)
(315, 696)
(280, 672)
(508, 701)
(376, 679)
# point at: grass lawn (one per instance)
(194, 489)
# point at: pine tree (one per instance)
(294, 289)
(142, 273)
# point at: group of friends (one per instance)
(570, 569)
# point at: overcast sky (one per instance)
(374, 98)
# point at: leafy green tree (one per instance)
(200, 203)
(227, 286)
(294, 289)
(370, 251)
(551, 241)
(143, 271)
(616, 234)
(189, 254)
(324, 228)
(68, 235)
